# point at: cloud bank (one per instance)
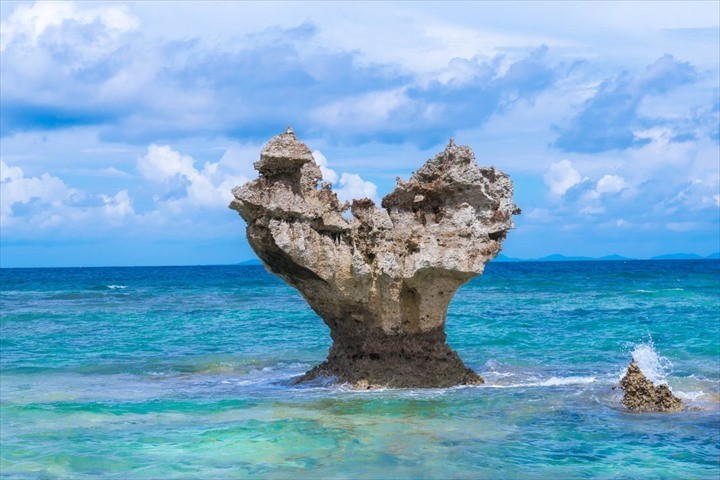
(134, 121)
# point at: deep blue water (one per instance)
(184, 372)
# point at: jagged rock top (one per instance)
(451, 214)
(453, 180)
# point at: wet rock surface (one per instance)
(641, 395)
(381, 281)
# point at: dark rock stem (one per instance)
(402, 361)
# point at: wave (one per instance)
(550, 382)
(89, 295)
(641, 290)
(91, 292)
(240, 372)
(702, 378)
(696, 389)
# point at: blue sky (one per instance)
(124, 125)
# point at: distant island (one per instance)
(556, 257)
(252, 261)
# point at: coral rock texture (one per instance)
(382, 280)
(641, 395)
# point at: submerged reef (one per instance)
(641, 395)
(382, 280)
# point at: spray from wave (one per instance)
(655, 367)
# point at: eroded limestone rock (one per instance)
(641, 395)
(383, 280)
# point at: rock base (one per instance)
(415, 361)
(641, 395)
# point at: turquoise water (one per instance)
(184, 372)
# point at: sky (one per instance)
(124, 125)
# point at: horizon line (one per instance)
(554, 257)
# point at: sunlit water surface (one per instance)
(185, 372)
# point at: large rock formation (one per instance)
(383, 280)
(641, 395)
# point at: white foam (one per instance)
(555, 381)
(692, 396)
(498, 374)
(116, 287)
(551, 382)
(656, 368)
(640, 290)
(702, 378)
(492, 364)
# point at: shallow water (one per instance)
(184, 372)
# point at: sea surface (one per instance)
(185, 372)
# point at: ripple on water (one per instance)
(187, 373)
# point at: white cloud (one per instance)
(695, 194)
(9, 173)
(16, 188)
(209, 186)
(592, 210)
(561, 177)
(423, 36)
(361, 111)
(347, 186)
(49, 203)
(352, 186)
(78, 63)
(118, 206)
(661, 155)
(664, 186)
(162, 162)
(238, 160)
(610, 184)
(27, 23)
(328, 175)
(95, 64)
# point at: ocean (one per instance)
(185, 372)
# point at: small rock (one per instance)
(361, 385)
(641, 395)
